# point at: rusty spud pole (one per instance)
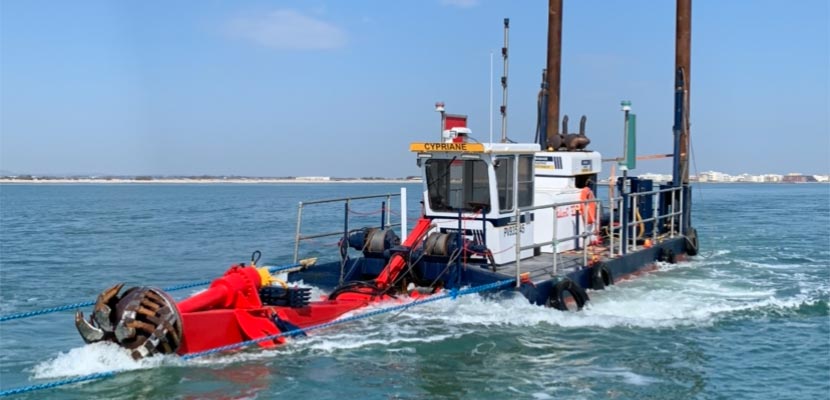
(682, 62)
(554, 72)
(683, 69)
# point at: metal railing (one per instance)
(628, 240)
(386, 214)
(617, 246)
(584, 235)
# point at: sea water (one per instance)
(747, 318)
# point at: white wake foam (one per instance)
(655, 301)
(93, 358)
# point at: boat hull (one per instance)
(538, 290)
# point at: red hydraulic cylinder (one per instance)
(236, 289)
(397, 262)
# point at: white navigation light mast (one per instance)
(491, 96)
(439, 107)
(504, 82)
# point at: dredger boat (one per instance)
(490, 212)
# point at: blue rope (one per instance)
(89, 303)
(49, 385)
(109, 374)
(45, 311)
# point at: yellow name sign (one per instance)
(447, 147)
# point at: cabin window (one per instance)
(454, 185)
(525, 181)
(504, 181)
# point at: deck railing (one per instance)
(622, 233)
(618, 224)
(627, 240)
(386, 216)
(584, 235)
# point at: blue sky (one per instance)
(340, 88)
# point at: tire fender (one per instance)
(556, 299)
(667, 255)
(601, 276)
(692, 244)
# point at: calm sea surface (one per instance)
(747, 318)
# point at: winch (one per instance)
(373, 242)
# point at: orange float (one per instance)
(588, 208)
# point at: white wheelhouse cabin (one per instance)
(483, 183)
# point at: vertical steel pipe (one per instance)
(388, 210)
(518, 218)
(627, 214)
(683, 212)
(620, 228)
(344, 257)
(555, 240)
(612, 204)
(554, 69)
(585, 237)
(673, 211)
(518, 246)
(404, 210)
(634, 224)
(297, 234)
(655, 198)
(504, 54)
(682, 61)
(383, 215)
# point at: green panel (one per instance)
(631, 154)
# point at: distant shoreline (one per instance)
(166, 181)
(196, 181)
(606, 183)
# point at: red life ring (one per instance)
(588, 210)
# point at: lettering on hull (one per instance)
(510, 230)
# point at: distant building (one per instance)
(656, 177)
(773, 178)
(798, 178)
(748, 178)
(714, 176)
(313, 178)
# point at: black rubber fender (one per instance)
(556, 298)
(601, 276)
(692, 245)
(667, 255)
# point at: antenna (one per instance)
(491, 96)
(504, 82)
